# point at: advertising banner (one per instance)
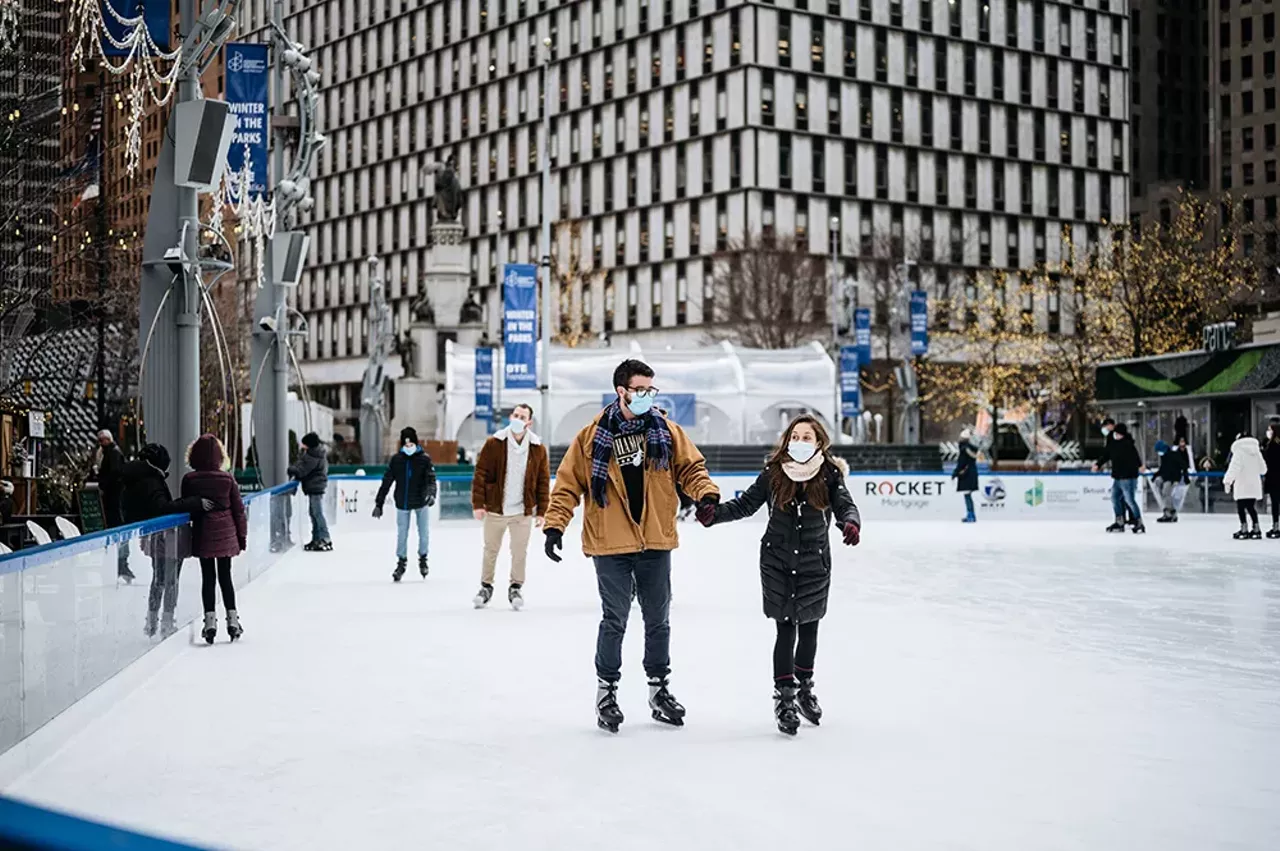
(862, 333)
(246, 82)
(919, 323)
(154, 12)
(520, 325)
(850, 382)
(681, 408)
(484, 386)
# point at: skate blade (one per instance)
(479, 603)
(663, 719)
(789, 731)
(608, 728)
(517, 605)
(815, 721)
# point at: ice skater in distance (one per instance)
(312, 473)
(966, 473)
(414, 477)
(1243, 480)
(627, 464)
(1272, 482)
(803, 485)
(1126, 466)
(219, 534)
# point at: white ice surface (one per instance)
(997, 686)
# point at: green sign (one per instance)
(91, 514)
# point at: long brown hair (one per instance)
(782, 489)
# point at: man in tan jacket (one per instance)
(626, 465)
(509, 493)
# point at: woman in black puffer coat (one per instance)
(803, 485)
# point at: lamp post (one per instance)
(544, 362)
(837, 418)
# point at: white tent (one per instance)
(741, 395)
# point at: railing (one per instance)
(69, 622)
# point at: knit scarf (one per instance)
(613, 423)
(798, 472)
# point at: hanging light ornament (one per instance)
(255, 217)
(140, 63)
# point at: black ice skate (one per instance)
(514, 597)
(482, 598)
(153, 621)
(1255, 534)
(422, 566)
(319, 547)
(210, 631)
(1117, 526)
(608, 713)
(1169, 516)
(1139, 528)
(807, 702)
(784, 707)
(1243, 534)
(1274, 531)
(126, 575)
(399, 571)
(234, 630)
(666, 709)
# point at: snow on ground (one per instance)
(997, 686)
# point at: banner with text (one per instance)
(520, 325)
(154, 12)
(246, 79)
(862, 334)
(484, 387)
(919, 323)
(681, 408)
(850, 382)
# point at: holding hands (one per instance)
(706, 511)
(852, 534)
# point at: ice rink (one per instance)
(1003, 687)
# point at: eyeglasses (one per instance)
(644, 392)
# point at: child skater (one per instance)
(803, 485)
(1243, 480)
(219, 534)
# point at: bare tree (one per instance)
(771, 293)
(574, 277)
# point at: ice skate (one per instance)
(422, 566)
(153, 619)
(1274, 531)
(167, 626)
(1169, 516)
(127, 575)
(784, 707)
(210, 631)
(399, 571)
(1139, 528)
(1243, 534)
(234, 630)
(1255, 534)
(483, 597)
(807, 702)
(666, 709)
(1117, 526)
(514, 597)
(325, 546)
(608, 713)
(313, 547)
(969, 518)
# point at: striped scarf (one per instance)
(612, 423)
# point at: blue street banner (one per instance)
(850, 382)
(484, 385)
(246, 82)
(155, 13)
(520, 325)
(919, 323)
(862, 333)
(681, 408)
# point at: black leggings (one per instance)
(1249, 505)
(1274, 498)
(223, 578)
(791, 659)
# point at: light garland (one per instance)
(255, 216)
(140, 63)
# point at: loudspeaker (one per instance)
(202, 131)
(288, 256)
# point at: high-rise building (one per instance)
(967, 133)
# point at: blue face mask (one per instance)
(409, 448)
(801, 451)
(640, 405)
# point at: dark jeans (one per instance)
(222, 568)
(164, 581)
(649, 573)
(790, 659)
(1250, 506)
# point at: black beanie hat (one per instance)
(311, 440)
(408, 435)
(155, 455)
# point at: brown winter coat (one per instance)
(611, 530)
(488, 485)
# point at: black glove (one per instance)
(555, 541)
(431, 500)
(706, 512)
(377, 512)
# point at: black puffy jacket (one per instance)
(795, 552)
(415, 479)
(145, 494)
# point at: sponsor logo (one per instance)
(1035, 494)
(905, 487)
(993, 490)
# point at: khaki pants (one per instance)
(495, 525)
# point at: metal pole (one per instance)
(544, 362)
(499, 375)
(278, 390)
(187, 305)
(837, 419)
(100, 366)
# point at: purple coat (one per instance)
(221, 531)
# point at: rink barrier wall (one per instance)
(29, 828)
(71, 631)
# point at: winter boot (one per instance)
(399, 571)
(608, 713)
(210, 631)
(807, 702)
(1117, 526)
(422, 566)
(514, 597)
(1243, 533)
(234, 630)
(1255, 534)
(167, 626)
(1274, 532)
(152, 622)
(784, 707)
(664, 704)
(484, 596)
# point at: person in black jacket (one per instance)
(1126, 466)
(1172, 477)
(1271, 482)
(966, 473)
(803, 485)
(312, 473)
(110, 465)
(144, 496)
(411, 471)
